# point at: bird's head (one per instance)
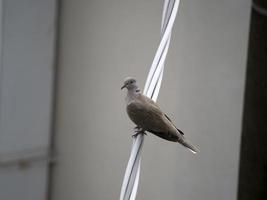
(129, 83)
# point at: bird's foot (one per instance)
(137, 133)
(138, 130)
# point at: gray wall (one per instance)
(101, 42)
(27, 36)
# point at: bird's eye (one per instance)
(131, 82)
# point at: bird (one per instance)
(147, 116)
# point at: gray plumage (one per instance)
(147, 115)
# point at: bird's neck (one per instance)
(132, 95)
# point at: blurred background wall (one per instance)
(102, 42)
(27, 37)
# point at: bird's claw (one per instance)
(138, 130)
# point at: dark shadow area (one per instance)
(253, 157)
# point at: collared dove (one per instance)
(147, 115)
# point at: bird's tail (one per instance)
(188, 145)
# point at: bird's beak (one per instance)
(123, 87)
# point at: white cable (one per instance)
(152, 87)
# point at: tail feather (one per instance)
(189, 146)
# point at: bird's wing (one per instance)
(181, 132)
(146, 114)
(150, 101)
